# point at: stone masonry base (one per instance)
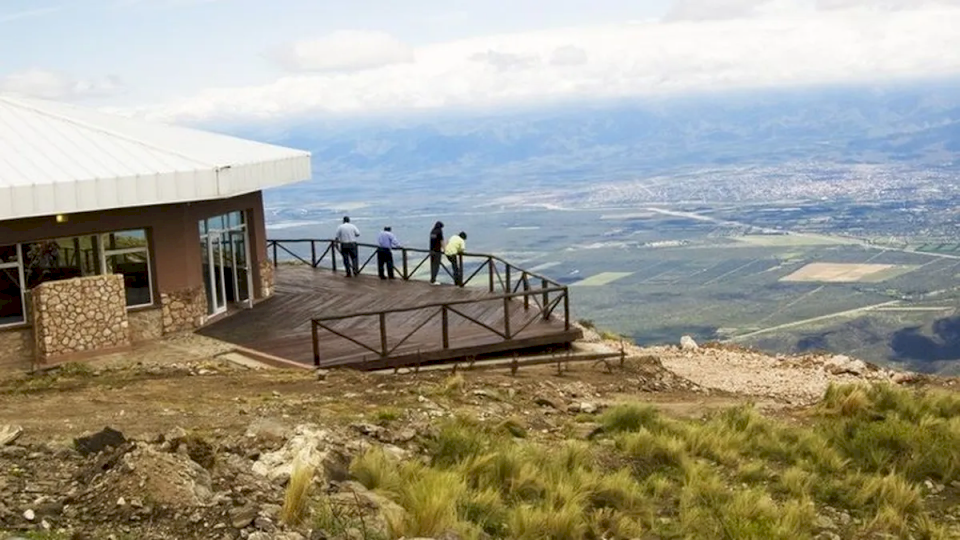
(266, 278)
(184, 310)
(79, 315)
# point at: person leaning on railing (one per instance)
(386, 241)
(347, 235)
(455, 248)
(436, 251)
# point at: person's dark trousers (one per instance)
(351, 263)
(385, 260)
(434, 265)
(457, 271)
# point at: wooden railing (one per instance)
(501, 275)
(512, 283)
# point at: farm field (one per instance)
(654, 277)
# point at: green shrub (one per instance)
(628, 418)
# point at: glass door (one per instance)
(241, 268)
(217, 296)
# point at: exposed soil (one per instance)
(198, 431)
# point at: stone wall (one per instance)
(145, 324)
(79, 315)
(266, 278)
(184, 310)
(16, 348)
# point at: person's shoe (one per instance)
(435, 283)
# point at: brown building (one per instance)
(114, 231)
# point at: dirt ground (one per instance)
(179, 397)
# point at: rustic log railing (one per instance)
(514, 284)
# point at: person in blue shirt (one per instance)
(386, 242)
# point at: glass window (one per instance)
(121, 240)
(234, 219)
(127, 253)
(135, 267)
(11, 291)
(8, 254)
(62, 258)
(216, 223)
(203, 227)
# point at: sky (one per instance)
(204, 61)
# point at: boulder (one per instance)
(97, 442)
(307, 446)
(688, 344)
(8, 434)
(841, 364)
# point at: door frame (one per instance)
(218, 238)
(242, 232)
(215, 264)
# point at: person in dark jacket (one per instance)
(436, 251)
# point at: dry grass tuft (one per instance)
(297, 498)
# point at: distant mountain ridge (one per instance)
(919, 122)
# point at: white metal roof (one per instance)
(58, 159)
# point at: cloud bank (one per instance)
(345, 50)
(701, 45)
(58, 86)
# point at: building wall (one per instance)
(180, 302)
(79, 315)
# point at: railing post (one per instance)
(274, 253)
(316, 343)
(566, 309)
(313, 253)
(526, 291)
(462, 270)
(507, 274)
(403, 253)
(333, 255)
(506, 317)
(445, 326)
(490, 268)
(546, 299)
(383, 334)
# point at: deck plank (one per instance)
(280, 325)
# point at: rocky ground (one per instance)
(198, 447)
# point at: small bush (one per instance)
(649, 453)
(453, 385)
(376, 471)
(457, 441)
(430, 498)
(386, 415)
(629, 418)
(486, 509)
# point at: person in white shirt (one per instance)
(347, 235)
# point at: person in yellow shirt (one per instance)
(455, 247)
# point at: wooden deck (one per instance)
(281, 325)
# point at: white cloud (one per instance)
(568, 55)
(781, 43)
(27, 14)
(703, 10)
(345, 50)
(50, 85)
